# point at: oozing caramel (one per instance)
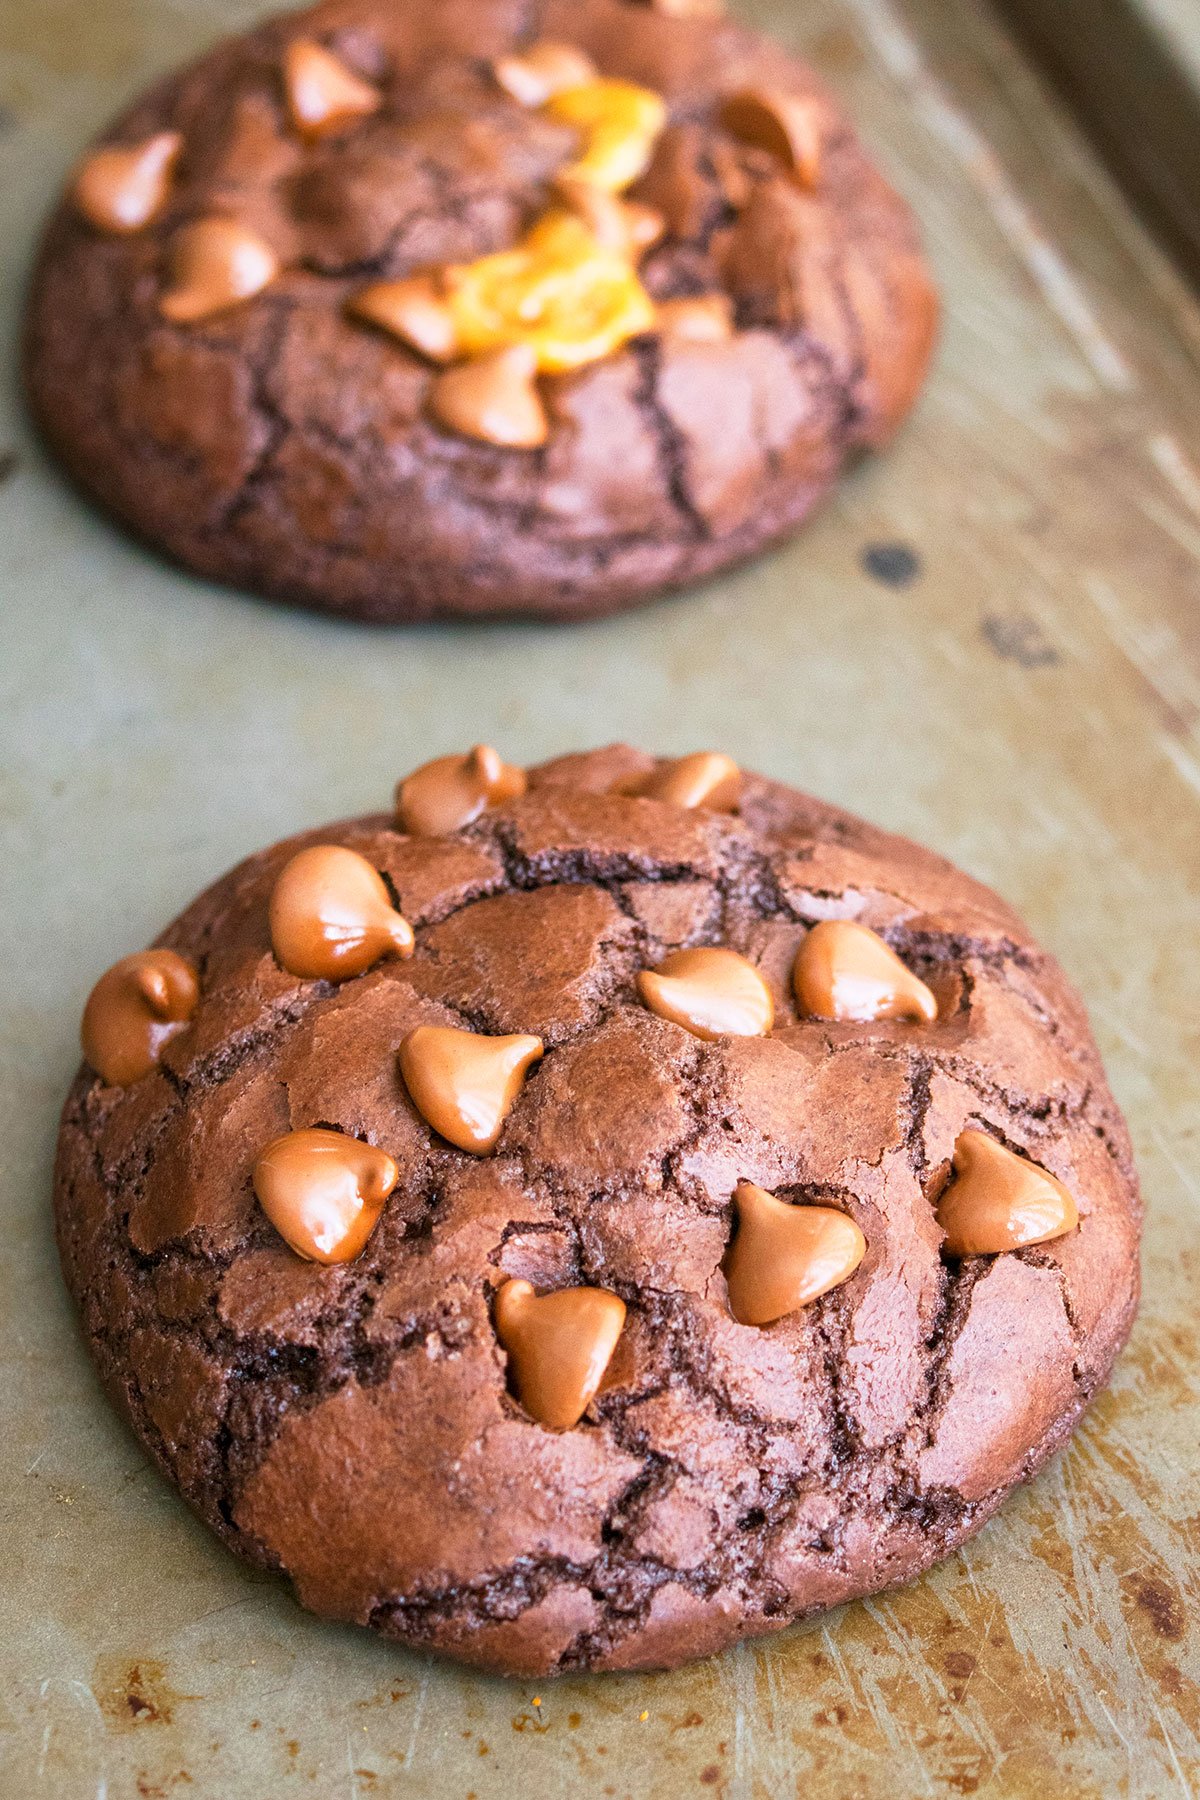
(619, 125)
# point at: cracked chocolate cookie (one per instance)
(595, 1213)
(403, 310)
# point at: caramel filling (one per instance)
(619, 124)
(560, 291)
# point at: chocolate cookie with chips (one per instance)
(595, 1213)
(391, 310)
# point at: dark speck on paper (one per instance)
(1018, 638)
(896, 565)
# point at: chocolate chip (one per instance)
(134, 1010)
(331, 916)
(896, 565)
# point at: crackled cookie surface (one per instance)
(597, 1212)
(400, 310)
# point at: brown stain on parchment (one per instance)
(134, 1691)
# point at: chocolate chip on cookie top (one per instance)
(710, 992)
(560, 1345)
(123, 187)
(696, 1216)
(448, 793)
(1000, 1201)
(138, 1006)
(846, 971)
(706, 778)
(464, 1084)
(787, 126)
(323, 1192)
(215, 263)
(332, 917)
(323, 95)
(783, 1256)
(400, 309)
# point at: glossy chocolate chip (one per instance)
(332, 917)
(542, 70)
(789, 126)
(444, 795)
(493, 398)
(699, 319)
(413, 310)
(707, 779)
(123, 187)
(1000, 1201)
(465, 1084)
(626, 226)
(323, 95)
(782, 1256)
(323, 1192)
(711, 993)
(845, 971)
(559, 1346)
(133, 1010)
(215, 263)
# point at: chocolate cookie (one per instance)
(593, 1216)
(399, 310)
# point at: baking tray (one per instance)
(1027, 703)
(1131, 70)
